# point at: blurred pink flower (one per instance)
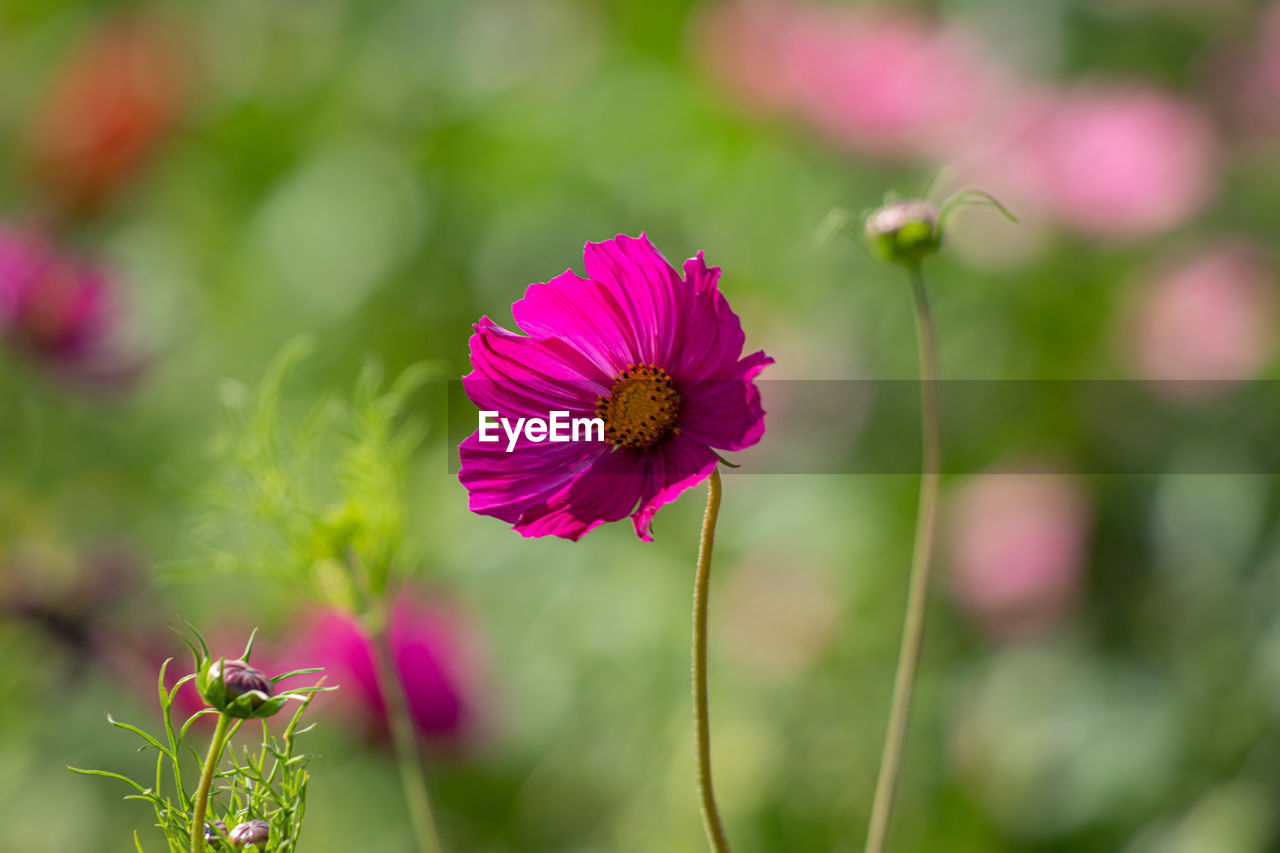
(55, 307)
(1269, 52)
(434, 657)
(1125, 163)
(889, 85)
(742, 44)
(1205, 316)
(1244, 78)
(1116, 162)
(879, 82)
(1017, 542)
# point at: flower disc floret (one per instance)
(641, 409)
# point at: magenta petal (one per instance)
(84, 321)
(606, 491)
(427, 655)
(507, 485)
(52, 304)
(647, 289)
(677, 465)
(530, 377)
(725, 413)
(430, 656)
(340, 639)
(584, 314)
(710, 336)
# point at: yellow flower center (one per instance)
(642, 407)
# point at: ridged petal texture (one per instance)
(581, 335)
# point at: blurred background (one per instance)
(186, 187)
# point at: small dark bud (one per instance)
(905, 232)
(229, 681)
(251, 832)
(241, 678)
(214, 832)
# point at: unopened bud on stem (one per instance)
(235, 687)
(251, 833)
(904, 232)
(214, 832)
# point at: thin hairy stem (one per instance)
(405, 738)
(206, 782)
(701, 715)
(918, 591)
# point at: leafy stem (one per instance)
(270, 786)
(216, 745)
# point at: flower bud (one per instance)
(214, 832)
(251, 833)
(904, 232)
(234, 687)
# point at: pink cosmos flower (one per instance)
(1265, 82)
(1270, 42)
(1127, 162)
(742, 45)
(1244, 78)
(1017, 549)
(52, 306)
(1110, 161)
(1207, 316)
(434, 659)
(889, 85)
(657, 357)
(878, 82)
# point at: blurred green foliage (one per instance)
(378, 176)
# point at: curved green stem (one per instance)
(922, 553)
(702, 717)
(206, 782)
(405, 738)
